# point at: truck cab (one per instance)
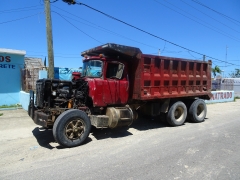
(107, 79)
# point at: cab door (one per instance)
(116, 84)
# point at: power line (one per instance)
(215, 11)
(20, 18)
(208, 26)
(19, 8)
(73, 57)
(77, 27)
(192, 55)
(53, 1)
(104, 29)
(210, 17)
(109, 16)
(164, 46)
(54, 53)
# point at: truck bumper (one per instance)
(37, 116)
(40, 118)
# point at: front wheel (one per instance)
(197, 111)
(177, 114)
(71, 128)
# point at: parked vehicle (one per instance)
(116, 83)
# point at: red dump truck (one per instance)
(116, 83)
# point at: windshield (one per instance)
(92, 68)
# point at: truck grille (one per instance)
(39, 93)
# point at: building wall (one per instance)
(221, 96)
(11, 63)
(65, 73)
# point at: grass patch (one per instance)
(237, 97)
(11, 106)
(1, 114)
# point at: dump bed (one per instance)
(166, 77)
(157, 77)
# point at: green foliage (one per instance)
(235, 74)
(1, 114)
(216, 70)
(237, 97)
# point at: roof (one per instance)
(12, 51)
(31, 62)
(111, 49)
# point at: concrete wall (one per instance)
(11, 63)
(24, 99)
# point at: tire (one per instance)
(177, 114)
(29, 110)
(197, 111)
(71, 128)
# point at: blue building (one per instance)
(11, 63)
(18, 75)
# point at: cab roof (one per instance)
(114, 50)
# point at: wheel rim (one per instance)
(200, 110)
(179, 113)
(74, 129)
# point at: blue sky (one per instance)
(77, 28)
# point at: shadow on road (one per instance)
(44, 137)
(142, 124)
(85, 142)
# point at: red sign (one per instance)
(221, 95)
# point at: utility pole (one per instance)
(49, 39)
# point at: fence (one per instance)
(227, 84)
(29, 77)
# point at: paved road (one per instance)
(148, 150)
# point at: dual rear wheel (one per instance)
(178, 112)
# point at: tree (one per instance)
(216, 70)
(235, 74)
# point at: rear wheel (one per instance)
(177, 114)
(197, 111)
(71, 128)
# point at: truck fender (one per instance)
(165, 106)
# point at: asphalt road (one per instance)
(149, 149)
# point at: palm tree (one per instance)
(216, 70)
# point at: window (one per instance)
(115, 70)
(92, 68)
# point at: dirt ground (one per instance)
(23, 142)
